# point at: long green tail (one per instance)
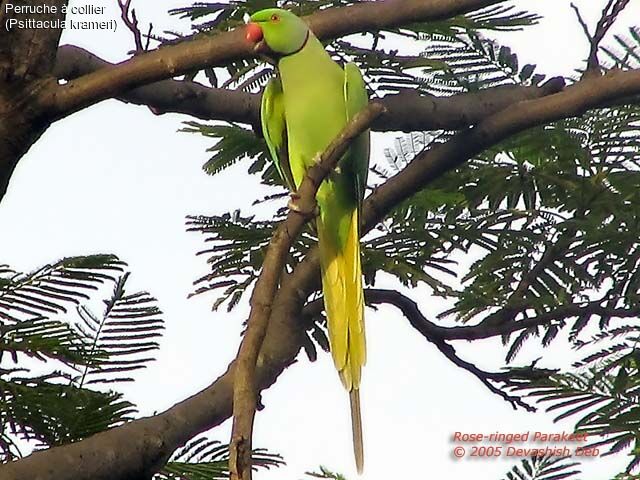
(344, 304)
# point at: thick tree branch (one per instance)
(173, 60)
(168, 96)
(406, 111)
(245, 394)
(573, 101)
(27, 56)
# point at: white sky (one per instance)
(115, 178)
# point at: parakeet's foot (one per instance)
(293, 205)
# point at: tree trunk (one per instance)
(27, 56)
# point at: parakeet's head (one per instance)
(281, 31)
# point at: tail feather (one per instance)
(344, 304)
(344, 300)
(356, 428)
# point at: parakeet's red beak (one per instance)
(254, 33)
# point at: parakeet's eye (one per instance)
(275, 18)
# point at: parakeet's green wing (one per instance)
(356, 99)
(274, 129)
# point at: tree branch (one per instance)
(440, 336)
(170, 61)
(607, 19)
(434, 332)
(51, 101)
(405, 111)
(573, 101)
(27, 56)
(168, 96)
(245, 395)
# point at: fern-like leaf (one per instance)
(206, 459)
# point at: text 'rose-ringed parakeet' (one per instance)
(303, 109)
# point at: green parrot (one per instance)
(303, 109)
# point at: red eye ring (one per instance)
(275, 18)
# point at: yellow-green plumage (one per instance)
(303, 110)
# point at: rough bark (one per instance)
(406, 111)
(27, 57)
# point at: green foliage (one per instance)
(205, 459)
(51, 413)
(236, 246)
(550, 217)
(471, 62)
(123, 338)
(52, 346)
(498, 18)
(625, 53)
(451, 63)
(324, 472)
(52, 354)
(236, 249)
(235, 143)
(603, 392)
(543, 468)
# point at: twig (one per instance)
(244, 392)
(582, 23)
(607, 19)
(130, 20)
(485, 377)
(440, 336)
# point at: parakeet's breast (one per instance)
(313, 87)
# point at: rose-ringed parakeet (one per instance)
(303, 109)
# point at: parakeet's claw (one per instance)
(293, 205)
